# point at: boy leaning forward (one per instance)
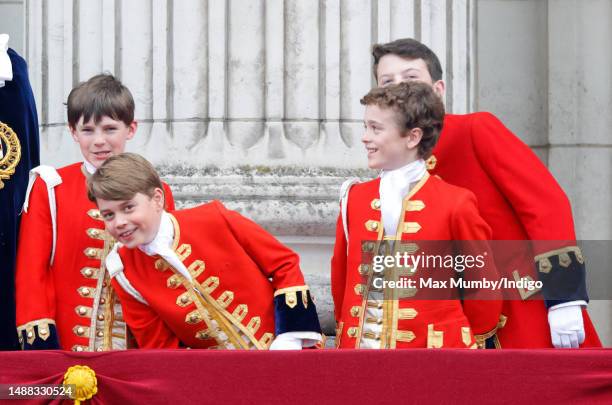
(204, 277)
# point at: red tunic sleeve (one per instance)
(472, 233)
(539, 202)
(338, 268)
(35, 293)
(275, 260)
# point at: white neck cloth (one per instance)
(162, 245)
(394, 186)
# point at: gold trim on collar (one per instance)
(430, 163)
(177, 232)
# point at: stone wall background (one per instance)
(256, 102)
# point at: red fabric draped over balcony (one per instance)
(327, 376)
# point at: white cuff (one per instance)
(295, 340)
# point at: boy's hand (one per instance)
(566, 326)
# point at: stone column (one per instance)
(252, 102)
(580, 117)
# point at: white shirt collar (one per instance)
(163, 239)
(394, 186)
(6, 68)
(91, 169)
(411, 172)
(162, 245)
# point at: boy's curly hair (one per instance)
(416, 106)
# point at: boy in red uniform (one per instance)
(63, 294)
(518, 198)
(204, 277)
(405, 203)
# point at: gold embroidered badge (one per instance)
(10, 152)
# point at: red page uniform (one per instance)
(63, 293)
(432, 210)
(520, 200)
(242, 286)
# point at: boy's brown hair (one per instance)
(102, 95)
(408, 48)
(416, 105)
(121, 177)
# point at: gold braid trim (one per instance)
(481, 338)
(557, 252)
(31, 335)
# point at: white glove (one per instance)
(566, 326)
(286, 342)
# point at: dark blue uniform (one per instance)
(17, 111)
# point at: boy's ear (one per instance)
(132, 129)
(413, 138)
(73, 133)
(158, 198)
(440, 88)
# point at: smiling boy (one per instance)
(402, 123)
(519, 199)
(63, 297)
(204, 277)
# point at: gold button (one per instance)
(352, 331)
(375, 204)
(184, 299)
(82, 310)
(359, 288)
(30, 334)
(194, 318)
(290, 300)
(100, 317)
(102, 300)
(88, 272)
(355, 310)
(80, 331)
(172, 282)
(78, 349)
(364, 269)
(100, 333)
(85, 291)
(371, 225)
(202, 335)
(367, 246)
